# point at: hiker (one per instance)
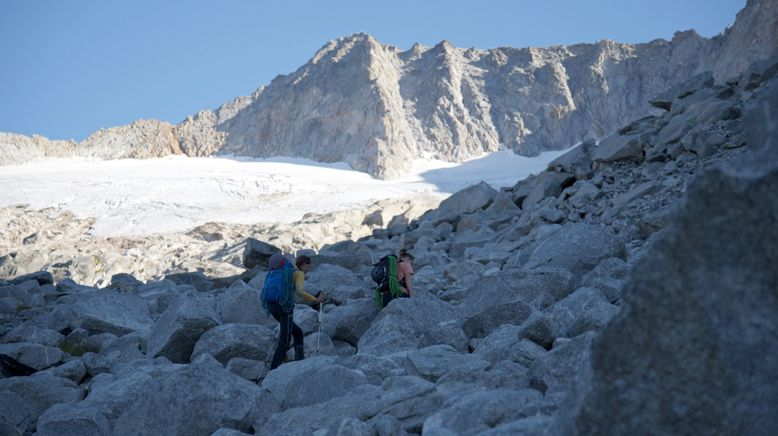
(394, 278)
(303, 264)
(405, 273)
(278, 299)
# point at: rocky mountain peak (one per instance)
(378, 108)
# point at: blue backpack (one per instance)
(279, 288)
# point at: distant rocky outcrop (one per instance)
(376, 107)
(627, 289)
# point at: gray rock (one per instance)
(686, 303)
(532, 426)
(124, 282)
(505, 343)
(624, 200)
(337, 282)
(480, 411)
(228, 432)
(486, 321)
(586, 193)
(349, 322)
(364, 402)
(468, 200)
(618, 147)
(412, 412)
(42, 277)
(196, 399)
(353, 427)
(29, 332)
(435, 361)
(578, 248)
(252, 370)
(257, 253)
(67, 420)
(502, 375)
(546, 184)
(540, 328)
(311, 381)
(411, 323)
(469, 238)
(109, 312)
(17, 413)
(179, 328)
(306, 318)
(74, 370)
(583, 310)
(577, 161)
(35, 394)
(113, 394)
(197, 280)
(316, 344)
(241, 304)
(682, 90)
(228, 341)
(36, 356)
(612, 267)
(28, 293)
(555, 370)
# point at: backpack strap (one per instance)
(394, 284)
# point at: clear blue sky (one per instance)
(69, 68)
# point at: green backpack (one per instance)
(384, 274)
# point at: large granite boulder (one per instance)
(24, 399)
(109, 311)
(240, 303)
(196, 399)
(179, 327)
(227, 341)
(471, 199)
(311, 381)
(257, 253)
(412, 323)
(72, 419)
(694, 349)
(435, 361)
(577, 247)
(482, 410)
(555, 371)
(506, 343)
(363, 402)
(349, 322)
(35, 356)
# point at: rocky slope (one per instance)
(57, 241)
(375, 106)
(630, 288)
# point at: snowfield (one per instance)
(141, 197)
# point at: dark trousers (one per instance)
(386, 297)
(288, 330)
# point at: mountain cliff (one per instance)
(377, 107)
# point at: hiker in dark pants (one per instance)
(278, 299)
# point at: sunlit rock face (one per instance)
(377, 107)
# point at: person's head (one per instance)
(303, 263)
(405, 256)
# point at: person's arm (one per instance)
(299, 286)
(408, 276)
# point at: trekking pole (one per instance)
(318, 326)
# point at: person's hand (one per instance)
(320, 297)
